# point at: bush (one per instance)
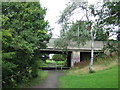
(100, 55)
(9, 70)
(58, 57)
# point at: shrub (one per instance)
(58, 57)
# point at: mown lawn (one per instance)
(101, 79)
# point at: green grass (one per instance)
(49, 61)
(60, 62)
(33, 82)
(101, 79)
(56, 63)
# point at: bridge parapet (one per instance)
(98, 45)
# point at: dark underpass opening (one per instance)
(87, 55)
(49, 64)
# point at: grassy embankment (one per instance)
(106, 75)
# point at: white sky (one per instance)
(54, 7)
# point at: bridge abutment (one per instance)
(75, 57)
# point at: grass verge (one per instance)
(102, 79)
(33, 82)
(99, 65)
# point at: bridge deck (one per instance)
(98, 45)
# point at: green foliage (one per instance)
(111, 47)
(53, 62)
(101, 35)
(106, 60)
(58, 57)
(35, 81)
(24, 31)
(62, 42)
(100, 55)
(72, 31)
(113, 11)
(77, 34)
(109, 16)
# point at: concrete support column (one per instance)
(75, 57)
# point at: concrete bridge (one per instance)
(75, 53)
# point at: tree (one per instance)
(77, 34)
(89, 25)
(96, 17)
(24, 31)
(110, 17)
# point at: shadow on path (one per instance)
(51, 81)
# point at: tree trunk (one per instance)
(91, 69)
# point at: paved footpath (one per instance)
(52, 80)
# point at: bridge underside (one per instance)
(68, 53)
(73, 55)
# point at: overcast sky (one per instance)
(54, 7)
